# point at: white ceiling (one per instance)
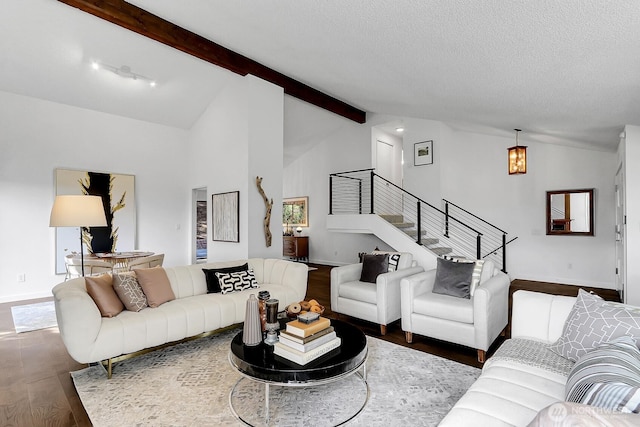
(563, 71)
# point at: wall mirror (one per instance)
(570, 212)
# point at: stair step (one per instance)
(414, 233)
(428, 241)
(441, 251)
(393, 218)
(403, 224)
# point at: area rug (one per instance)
(31, 317)
(189, 384)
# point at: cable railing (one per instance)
(451, 229)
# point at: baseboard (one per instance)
(26, 297)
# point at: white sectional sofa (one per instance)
(523, 377)
(89, 337)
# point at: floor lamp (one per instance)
(78, 211)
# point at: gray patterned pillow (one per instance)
(129, 291)
(594, 321)
(608, 377)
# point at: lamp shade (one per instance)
(77, 211)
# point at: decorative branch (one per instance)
(267, 217)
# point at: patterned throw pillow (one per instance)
(213, 285)
(477, 271)
(608, 377)
(129, 291)
(594, 321)
(238, 281)
(394, 258)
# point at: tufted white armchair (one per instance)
(475, 322)
(375, 302)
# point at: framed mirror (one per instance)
(570, 212)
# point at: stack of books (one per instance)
(302, 342)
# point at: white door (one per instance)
(620, 235)
(389, 198)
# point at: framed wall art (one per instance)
(225, 212)
(118, 195)
(295, 212)
(423, 153)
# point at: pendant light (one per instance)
(517, 158)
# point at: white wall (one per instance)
(470, 169)
(236, 139)
(347, 146)
(39, 136)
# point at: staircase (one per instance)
(409, 228)
(364, 202)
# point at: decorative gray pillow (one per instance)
(237, 281)
(453, 278)
(372, 266)
(608, 377)
(129, 291)
(594, 321)
(477, 270)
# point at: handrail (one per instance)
(359, 170)
(428, 204)
(499, 247)
(475, 216)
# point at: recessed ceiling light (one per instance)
(400, 129)
(95, 65)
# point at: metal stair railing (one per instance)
(363, 191)
(495, 239)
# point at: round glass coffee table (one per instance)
(324, 391)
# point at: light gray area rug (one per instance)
(189, 384)
(32, 317)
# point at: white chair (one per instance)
(375, 302)
(146, 262)
(92, 267)
(475, 322)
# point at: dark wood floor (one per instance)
(36, 388)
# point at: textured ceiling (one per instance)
(563, 71)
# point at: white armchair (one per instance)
(375, 302)
(475, 322)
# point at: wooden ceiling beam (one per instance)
(138, 20)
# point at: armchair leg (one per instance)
(481, 356)
(383, 329)
(408, 336)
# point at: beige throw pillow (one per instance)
(100, 288)
(155, 285)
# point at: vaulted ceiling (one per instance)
(563, 71)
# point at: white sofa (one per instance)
(90, 338)
(523, 377)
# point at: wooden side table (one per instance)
(296, 247)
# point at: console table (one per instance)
(296, 247)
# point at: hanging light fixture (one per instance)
(517, 158)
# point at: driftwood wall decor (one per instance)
(267, 217)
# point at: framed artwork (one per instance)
(423, 153)
(295, 212)
(225, 212)
(118, 196)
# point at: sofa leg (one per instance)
(481, 356)
(383, 329)
(408, 336)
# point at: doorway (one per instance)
(620, 234)
(199, 226)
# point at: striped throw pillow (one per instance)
(608, 377)
(477, 270)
